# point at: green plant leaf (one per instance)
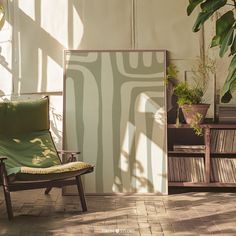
(233, 86)
(226, 42)
(192, 5)
(202, 17)
(226, 97)
(233, 47)
(212, 5)
(230, 80)
(208, 9)
(172, 71)
(215, 41)
(223, 25)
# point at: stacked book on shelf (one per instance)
(189, 148)
(223, 170)
(186, 169)
(223, 141)
(227, 113)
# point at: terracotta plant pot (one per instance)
(195, 114)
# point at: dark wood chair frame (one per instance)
(9, 186)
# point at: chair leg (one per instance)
(8, 202)
(6, 191)
(81, 193)
(47, 190)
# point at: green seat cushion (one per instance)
(24, 116)
(50, 173)
(34, 150)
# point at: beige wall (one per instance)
(32, 51)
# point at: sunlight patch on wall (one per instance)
(6, 32)
(78, 29)
(147, 103)
(117, 183)
(6, 83)
(159, 117)
(6, 68)
(56, 110)
(141, 151)
(28, 7)
(124, 162)
(20, 64)
(129, 137)
(54, 75)
(142, 159)
(54, 19)
(40, 68)
(126, 147)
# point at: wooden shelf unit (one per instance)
(184, 135)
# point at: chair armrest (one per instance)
(71, 155)
(2, 159)
(68, 152)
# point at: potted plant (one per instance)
(190, 96)
(190, 101)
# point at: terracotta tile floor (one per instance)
(178, 214)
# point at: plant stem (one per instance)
(177, 123)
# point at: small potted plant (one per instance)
(190, 96)
(190, 101)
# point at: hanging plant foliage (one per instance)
(225, 36)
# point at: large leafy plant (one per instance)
(225, 37)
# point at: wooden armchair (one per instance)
(28, 157)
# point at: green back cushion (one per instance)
(34, 149)
(24, 116)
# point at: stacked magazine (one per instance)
(223, 170)
(189, 148)
(227, 113)
(223, 141)
(186, 169)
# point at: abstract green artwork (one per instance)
(114, 113)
